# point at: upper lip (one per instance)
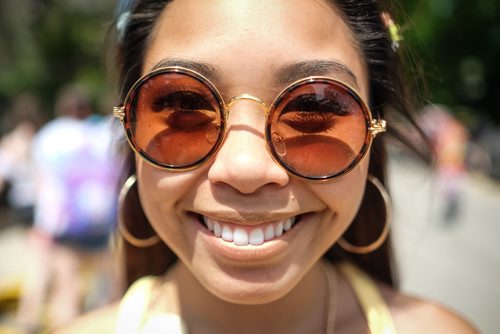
(247, 218)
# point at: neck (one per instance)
(304, 309)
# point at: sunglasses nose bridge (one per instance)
(250, 98)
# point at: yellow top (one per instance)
(133, 315)
(375, 309)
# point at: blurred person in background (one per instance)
(76, 181)
(450, 140)
(16, 166)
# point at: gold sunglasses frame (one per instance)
(374, 126)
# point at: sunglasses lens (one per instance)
(174, 120)
(318, 129)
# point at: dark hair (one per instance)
(389, 98)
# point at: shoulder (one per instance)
(414, 315)
(99, 321)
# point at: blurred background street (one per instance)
(456, 263)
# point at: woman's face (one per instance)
(253, 46)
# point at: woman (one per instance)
(242, 204)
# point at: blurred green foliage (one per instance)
(46, 44)
(459, 45)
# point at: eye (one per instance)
(319, 103)
(185, 110)
(183, 100)
(313, 113)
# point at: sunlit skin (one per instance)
(249, 43)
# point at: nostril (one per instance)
(249, 180)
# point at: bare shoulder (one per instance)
(99, 321)
(415, 315)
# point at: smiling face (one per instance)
(276, 226)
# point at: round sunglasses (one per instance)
(317, 128)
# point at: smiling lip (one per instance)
(270, 250)
(240, 249)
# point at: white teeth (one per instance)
(217, 230)
(257, 236)
(269, 233)
(249, 235)
(227, 234)
(210, 224)
(240, 237)
(278, 230)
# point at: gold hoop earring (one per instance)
(385, 232)
(140, 243)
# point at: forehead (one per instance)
(253, 38)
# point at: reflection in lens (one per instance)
(278, 144)
(318, 129)
(175, 119)
(213, 134)
(178, 148)
(317, 155)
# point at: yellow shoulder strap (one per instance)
(132, 311)
(373, 305)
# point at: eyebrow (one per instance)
(285, 74)
(289, 73)
(204, 69)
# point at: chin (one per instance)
(251, 287)
(251, 293)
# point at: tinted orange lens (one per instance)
(318, 129)
(174, 119)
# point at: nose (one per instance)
(243, 161)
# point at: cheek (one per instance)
(343, 196)
(160, 192)
(162, 195)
